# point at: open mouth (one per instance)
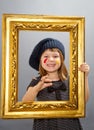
(50, 65)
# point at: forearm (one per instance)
(30, 94)
(87, 93)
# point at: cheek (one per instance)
(58, 61)
(45, 60)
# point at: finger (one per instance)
(44, 77)
(47, 85)
(83, 64)
(47, 80)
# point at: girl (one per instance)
(52, 83)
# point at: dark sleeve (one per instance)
(33, 82)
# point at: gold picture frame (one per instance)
(11, 25)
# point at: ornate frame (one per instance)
(12, 24)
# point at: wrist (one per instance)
(37, 88)
(86, 75)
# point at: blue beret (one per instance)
(44, 44)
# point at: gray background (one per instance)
(49, 7)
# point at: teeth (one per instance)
(50, 65)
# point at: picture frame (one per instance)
(12, 24)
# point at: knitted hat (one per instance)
(44, 44)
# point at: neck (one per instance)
(53, 76)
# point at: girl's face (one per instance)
(50, 60)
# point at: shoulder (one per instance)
(67, 82)
(67, 79)
(34, 81)
(36, 78)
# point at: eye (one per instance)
(55, 56)
(45, 56)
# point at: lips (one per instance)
(50, 65)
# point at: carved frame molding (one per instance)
(12, 24)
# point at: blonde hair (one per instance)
(62, 71)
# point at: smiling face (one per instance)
(50, 60)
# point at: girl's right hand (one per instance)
(43, 83)
(32, 92)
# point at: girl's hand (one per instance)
(84, 68)
(32, 92)
(44, 82)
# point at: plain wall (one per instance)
(52, 7)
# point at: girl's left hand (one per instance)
(84, 68)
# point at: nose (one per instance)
(51, 58)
